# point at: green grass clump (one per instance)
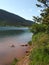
(14, 61)
(30, 43)
(40, 39)
(39, 57)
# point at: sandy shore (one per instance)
(25, 60)
(8, 53)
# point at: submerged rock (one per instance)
(24, 45)
(12, 45)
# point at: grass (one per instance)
(40, 54)
(39, 57)
(30, 43)
(14, 61)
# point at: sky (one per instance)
(24, 8)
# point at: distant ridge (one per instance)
(10, 19)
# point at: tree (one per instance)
(44, 19)
(44, 2)
(37, 19)
(45, 16)
(40, 39)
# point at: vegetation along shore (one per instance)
(39, 54)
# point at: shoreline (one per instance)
(25, 60)
(18, 52)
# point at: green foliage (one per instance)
(39, 57)
(37, 19)
(40, 54)
(14, 61)
(39, 28)
(40, 39)
(43, 26)
(38, 5)
(30, 43)
(44, 2)
(45, 16)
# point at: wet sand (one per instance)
(8, 53)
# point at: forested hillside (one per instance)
(10, 19)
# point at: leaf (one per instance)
(38, 5)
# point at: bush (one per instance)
(40, 39)
(30, 43)
(36, 28)
(40, 54)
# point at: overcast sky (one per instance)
(23, 8)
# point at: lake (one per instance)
(16, 36)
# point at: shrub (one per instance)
(30, 43)
(40, 54)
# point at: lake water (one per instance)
(13, 36)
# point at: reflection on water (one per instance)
(6, 31)
(17, 37)
(11, 32)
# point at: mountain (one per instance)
(10, 19)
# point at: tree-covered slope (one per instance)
(7, 18)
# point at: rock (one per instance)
(12, 45)
(22, 45)
(27, 51)
(26, 44)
